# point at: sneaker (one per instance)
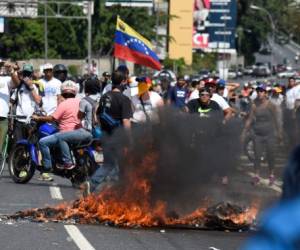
(23, 174)
(45, 177)
(86, 188)
(255, 180)
(271, 180)
(225, 180)
(67, 166)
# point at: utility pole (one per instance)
(89, 17)
(46, 30)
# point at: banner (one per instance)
(214, 24)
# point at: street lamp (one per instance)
(255, 7)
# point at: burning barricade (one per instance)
(161, 165)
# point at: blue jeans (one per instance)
(45, 144)
(75, 137)
(110, 165)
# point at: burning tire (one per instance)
(20, 160)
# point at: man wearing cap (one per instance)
(264, 123)
(126, 90)
(204, 106)
(106, 79)
(214, 87)
(50, 87)
(25, 98)
(145, 102)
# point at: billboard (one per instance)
(214, 25)
(130, 3)
(19, 8)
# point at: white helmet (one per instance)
(69, 86)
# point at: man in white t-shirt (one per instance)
(145, 102)
(5, 86)
(220, 100)
(49, 89)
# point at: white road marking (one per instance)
(55, 193)
(81, 242)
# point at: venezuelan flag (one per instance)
(131, 46)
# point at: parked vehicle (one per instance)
(262, 71)
(232, 74)
(248, 70)
(287, 74)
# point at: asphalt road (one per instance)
(35, 236)
(26, 235)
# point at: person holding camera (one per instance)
(25, 98)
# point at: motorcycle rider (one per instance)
(66, 115)
(86, 114)
(60, 72)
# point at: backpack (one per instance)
(103, 113)
(96, 131)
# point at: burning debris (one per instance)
(223, 216)
(165, 170)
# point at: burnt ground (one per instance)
(28, 235)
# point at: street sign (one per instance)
(1, 24)
(19, 8)
(130, 3)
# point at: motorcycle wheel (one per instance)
(85, 170)
(20, 160)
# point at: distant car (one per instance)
(280, 68)
(262, 71)
(266, 51)
(232, 74)
(287, 74)
(204, 73)
(248, 70)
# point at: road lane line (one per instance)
(81, 242)
(55, 193)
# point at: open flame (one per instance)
(129, 204)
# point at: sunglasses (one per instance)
(204, 94)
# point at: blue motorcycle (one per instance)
(25, 156)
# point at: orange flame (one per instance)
(131, 205)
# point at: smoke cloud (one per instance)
(191, 156)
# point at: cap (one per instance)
(106, 74)
(261, 86)
(28, 67)
(277, 90)
(47, 66)
(221, 82)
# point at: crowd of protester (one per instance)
(81, 107)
